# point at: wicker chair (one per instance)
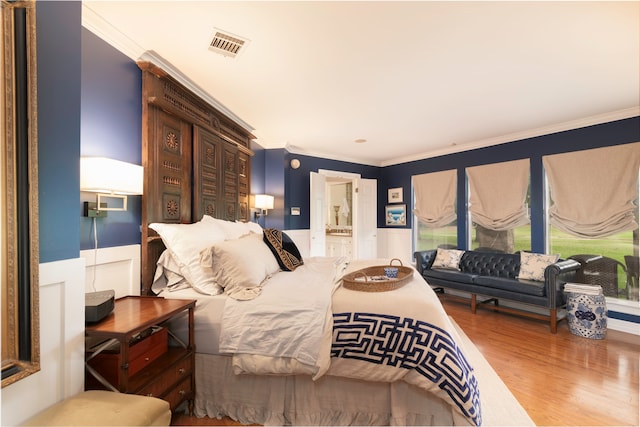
(599, 270)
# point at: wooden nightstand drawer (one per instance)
(141, 354)
(180, 393)
(168, 378)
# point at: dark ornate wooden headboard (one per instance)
(196, 161)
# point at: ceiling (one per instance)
(414, 79)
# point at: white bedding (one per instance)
(286, 330)
(381, 337)
(207, 319)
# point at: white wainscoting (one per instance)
(626, 307)
(61, 344)
(395, 243)
(116, 268)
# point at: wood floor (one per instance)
(561, 379)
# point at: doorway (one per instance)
(343, 219)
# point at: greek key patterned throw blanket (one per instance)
(403, 334)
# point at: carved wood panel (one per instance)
(230, 182)
(171, 145)
(244, 174)
(206, 178)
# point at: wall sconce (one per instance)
(295, 163)
(262, 202)
(111, 179)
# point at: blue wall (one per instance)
(613, 133)
(111, 127)
(297, 183)
(59, 73)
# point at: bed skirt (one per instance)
(298, 400)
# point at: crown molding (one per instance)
(120, 41)
(518, 136)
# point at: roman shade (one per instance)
(497, 194)
(435, 195)
(593, 191)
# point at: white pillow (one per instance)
(241, 266)
(252, 226)
(447, 258)
(232, 229)
(532, 266)
(168, 276)
(185, 242)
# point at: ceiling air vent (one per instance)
(226, 44)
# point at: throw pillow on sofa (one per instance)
(448, 258)
(532, 266)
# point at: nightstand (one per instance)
(128, 351)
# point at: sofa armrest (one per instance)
(424, 260)
(556, 275)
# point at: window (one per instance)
(593, 214)
(498, 206)
(435, 210)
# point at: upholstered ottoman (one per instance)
(105, 408)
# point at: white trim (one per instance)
(459, 148)
(116, 268)
(622, 326)
(338, 174)
(518, 136)
(292, 149)
(625, 307)
(61, 372)
(107, 32)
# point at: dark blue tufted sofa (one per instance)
(495, 275)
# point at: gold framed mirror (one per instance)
(19, 194)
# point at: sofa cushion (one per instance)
(447, 258)
(449, 274)
(532, 266)
(528, 287)
(490, 264)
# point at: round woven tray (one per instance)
(372, 279)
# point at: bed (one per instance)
(278, 339)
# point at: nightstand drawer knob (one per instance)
(146, 359)
(181, 371)
(182, 393)
(150, 394)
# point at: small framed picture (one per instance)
(396, 214)
(395, 195)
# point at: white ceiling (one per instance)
(415, 79)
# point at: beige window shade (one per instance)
(497, 194)
(593, 191)
(435, 196)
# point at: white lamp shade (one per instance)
(263, 201)
(103, 175)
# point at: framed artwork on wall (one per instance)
(396, 214)
(395, 195)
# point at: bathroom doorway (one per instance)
(343, 218)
